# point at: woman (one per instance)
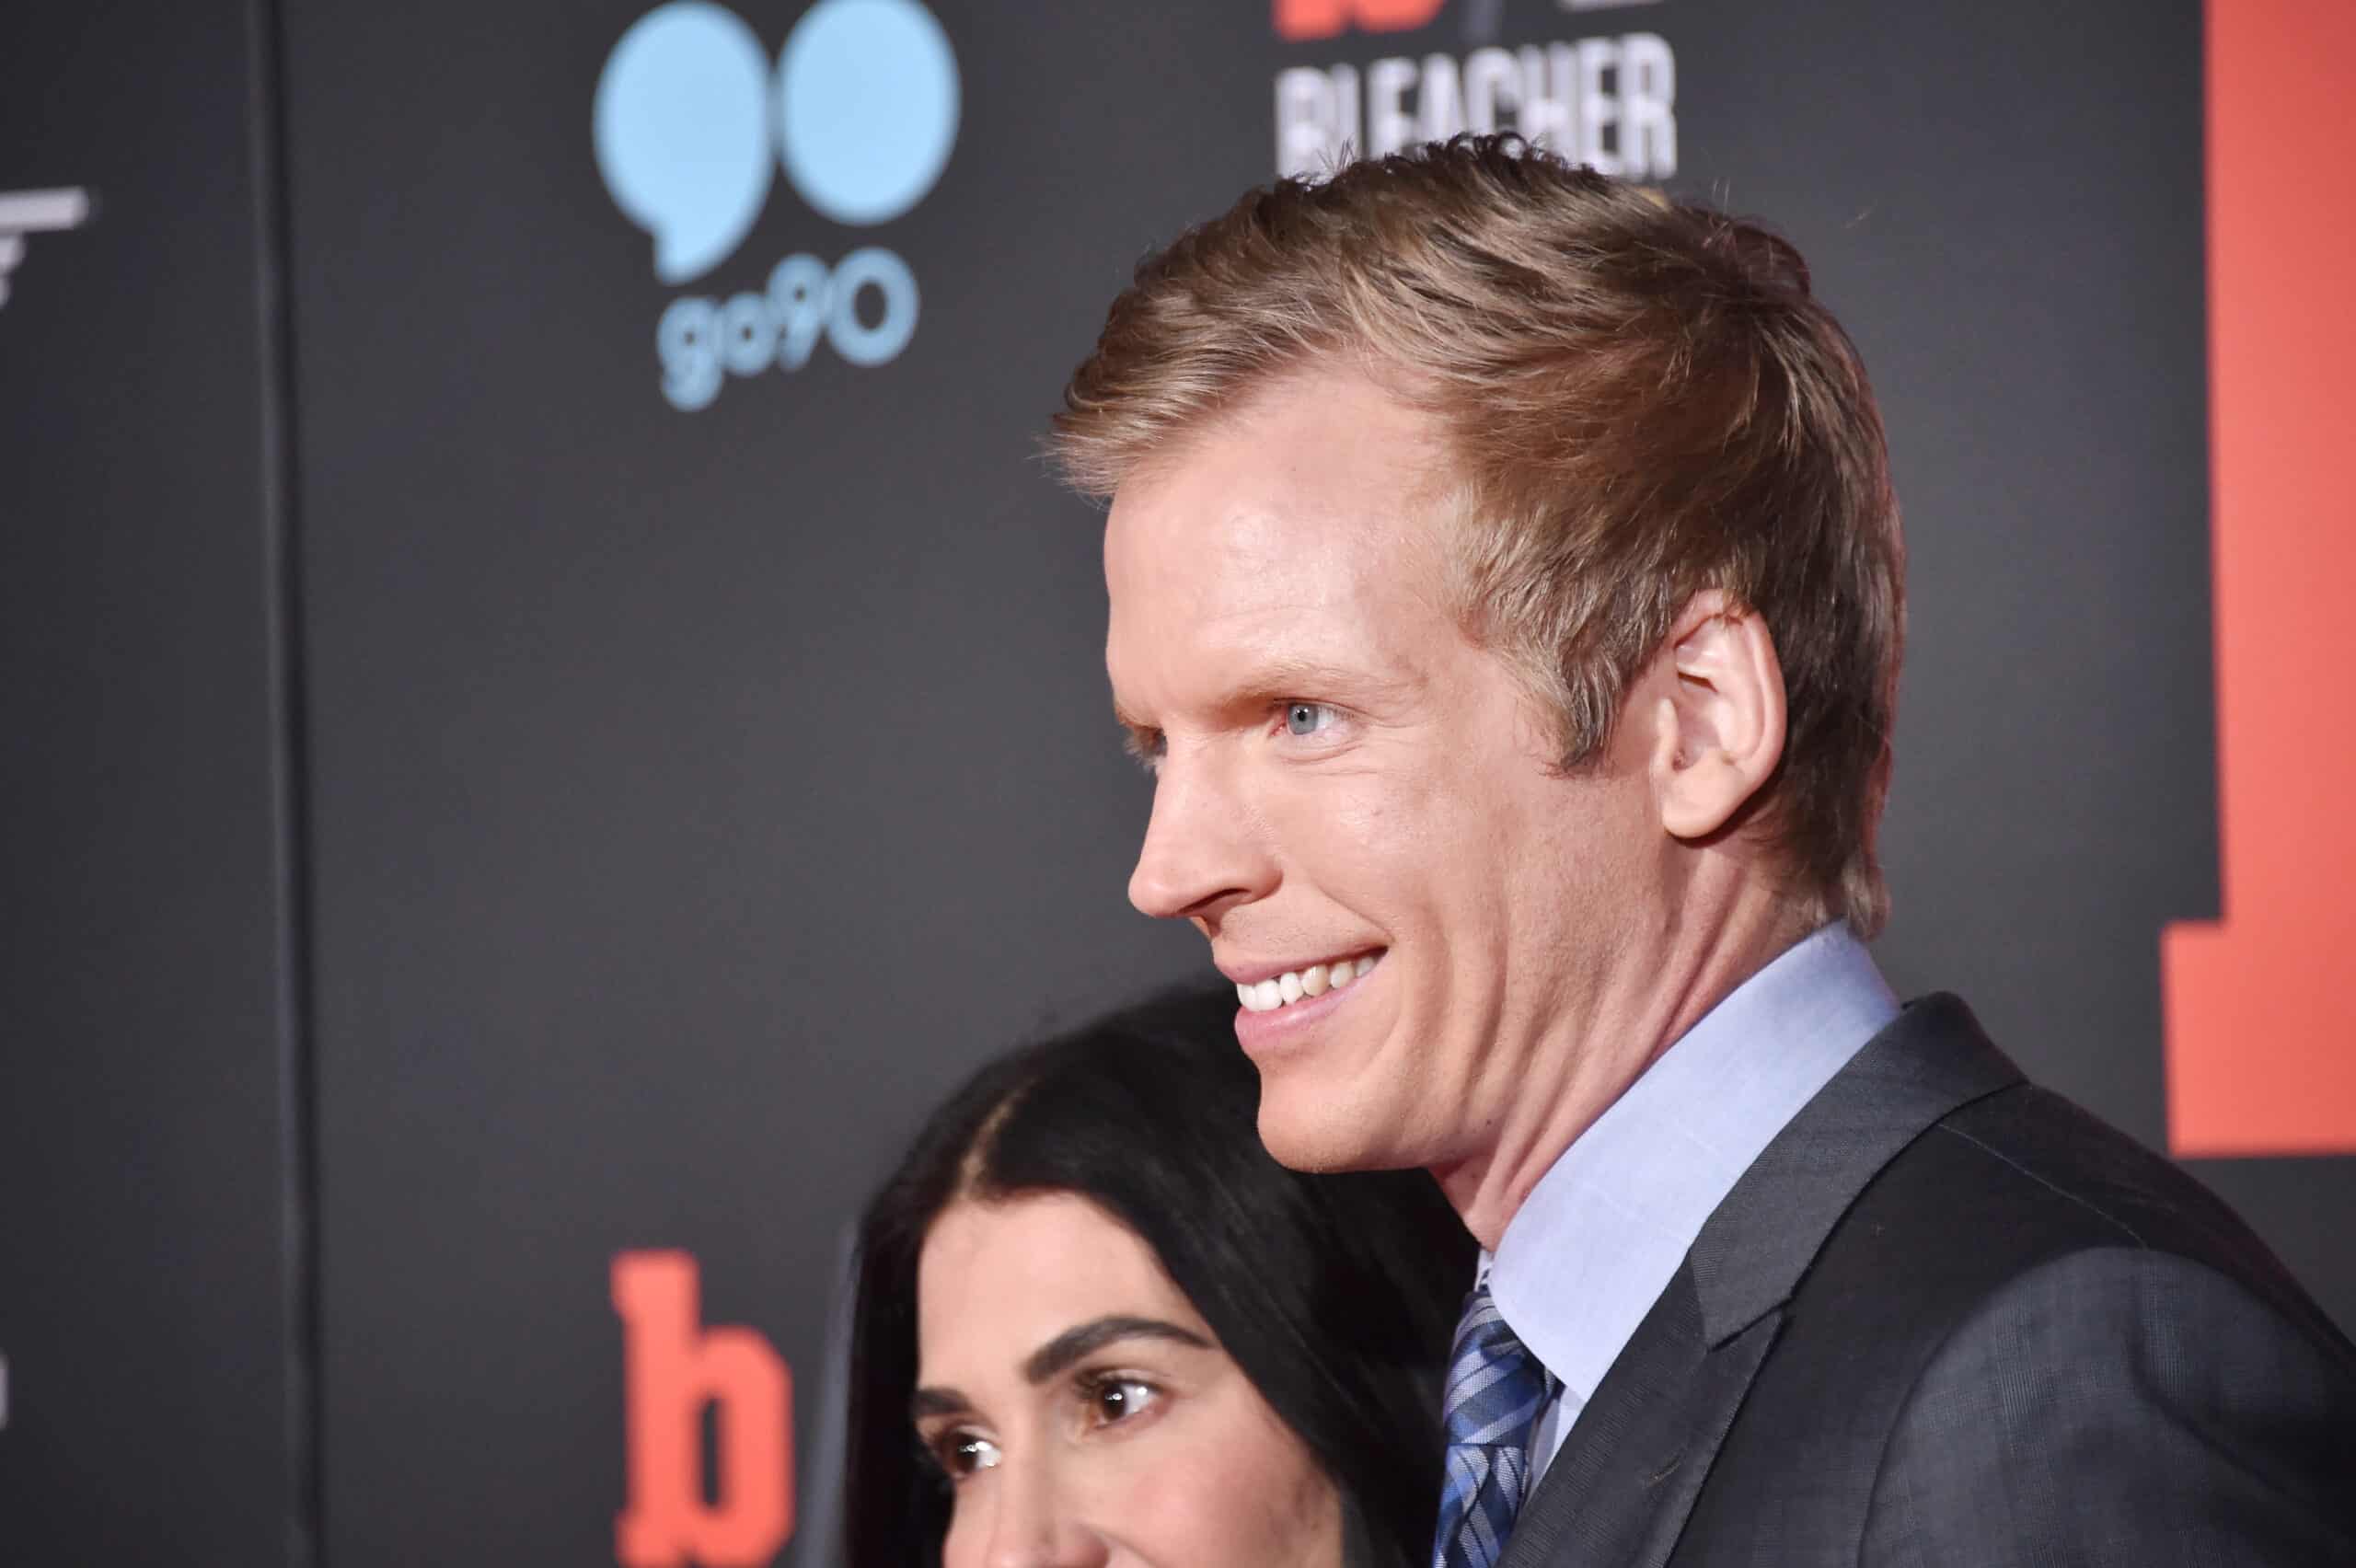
(1097, 1322)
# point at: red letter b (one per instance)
(671, 1369)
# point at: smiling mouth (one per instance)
(1296, 985)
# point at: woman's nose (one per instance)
(1034, 1523)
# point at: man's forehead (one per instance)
(1315, 435)
(1214, 554)
(1265, 606)
(1296, 531)
(1298, 496)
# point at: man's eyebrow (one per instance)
(1284, 678)
(1060, 1353)
(1279, 680)
(938, 1401)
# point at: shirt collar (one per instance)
(1606, 1228)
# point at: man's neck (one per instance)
(1656, 994)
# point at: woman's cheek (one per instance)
(1246, 1496)
(963, 1545)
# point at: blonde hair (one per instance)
(1643, 399)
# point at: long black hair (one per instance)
(1335, 1295)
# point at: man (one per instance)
(1505, 592)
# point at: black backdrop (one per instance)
(468, 818)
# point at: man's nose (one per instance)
(1033, 1524)
(1201, 855)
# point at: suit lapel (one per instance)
(1620, 1490)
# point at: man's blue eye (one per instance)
(1307, 718)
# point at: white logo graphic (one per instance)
(690, 125)
(1608, 102)
(35, 211)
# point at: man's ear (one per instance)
(1720, 724)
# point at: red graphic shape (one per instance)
(673, 1366)
(1323, 18)
(2260, 1015)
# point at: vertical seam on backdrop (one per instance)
(290, 783)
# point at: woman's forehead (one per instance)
(998, 1277)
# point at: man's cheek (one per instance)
(1364, 808)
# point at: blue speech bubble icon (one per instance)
(867, 107)
(681, 123)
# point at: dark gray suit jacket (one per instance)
(1948, 1317)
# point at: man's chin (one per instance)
(1310, 1131)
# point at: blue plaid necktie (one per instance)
(1496, 1389)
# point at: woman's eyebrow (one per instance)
(1060, 1353)
(938, 1402)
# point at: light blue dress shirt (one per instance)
(1607, 1227)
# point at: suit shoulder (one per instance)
(2122, 1394)
(2014, 1252)
(2055, 1154)
(2006, 1186)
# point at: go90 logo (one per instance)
(690, 123)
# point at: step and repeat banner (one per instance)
(564, 477)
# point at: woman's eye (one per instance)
(1307, 718)
(1146, 746)
(1119, 1399)
(963, 1453)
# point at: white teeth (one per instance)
(1267, 996)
